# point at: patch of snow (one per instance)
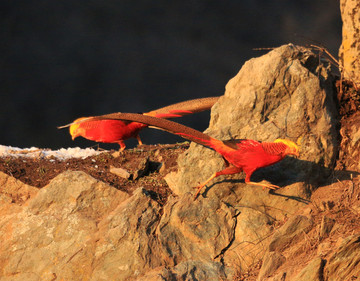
(61, 154)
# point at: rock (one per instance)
(120, 172)
(127, 246)
(192, 229)
(290, 233)
(189, 270)
(291, 230)
(326, 226)
(53, 236)
(283, 94)
(271, 262)
(171, 180)
(312, 272)
(259, 213)
(14, 191)
(349, 51)
(77, 192)
(116, 154)
(142, 168)
(344, 263)
(195, 270)
(157, 274)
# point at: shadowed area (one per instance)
(63, 60)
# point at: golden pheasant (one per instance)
(116, 131)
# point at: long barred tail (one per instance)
(163, 124)
(172, 111)
(184, 108)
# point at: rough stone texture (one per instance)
(350, 141)
(326, 226)
(283, 94)
(349, 52)
(189, 270)
(120, 172)
(126, 245)
(78, 228)
(14, 191)
(297, 225)
(344, 263)
(195, 229)
(271, 262)
(312, 272)
(258, 213)
(278, 95)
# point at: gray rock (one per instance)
(344, 263)
(52, 236)
(127, 246)
(313, 271)
(296, 227)
(14, 191)
(271, 262)
(141, 169)
(194, 270)
(195, 229)
(120, 172)
(79, 228)
(189, 270)
(326, 226)
(283, 94)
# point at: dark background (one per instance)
(60, 60)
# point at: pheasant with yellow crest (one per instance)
(117, 131)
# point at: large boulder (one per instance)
(283, 94)
(79, 228)
(195, 230)
(126, 246)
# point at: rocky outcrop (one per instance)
(53, 235)
(344, 263)
(77, 228)
(283, 94)
(350, 143)
(349, 51)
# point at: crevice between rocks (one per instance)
(222, 252)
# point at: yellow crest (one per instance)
(293, 146)
(75, 126)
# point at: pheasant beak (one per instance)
(74, 131)
(291, 147)
(295, 154)
(293, 151)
